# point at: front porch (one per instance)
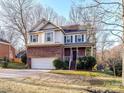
(72, 54)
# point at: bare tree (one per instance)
(90, 18)
(48, 13)
(52, 16)
(19, 16)
(2, 34)
(104, 45)
(15, 14)
(114, 19)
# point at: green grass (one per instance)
(100, 77)
(105, 78)
(82, 73)
(13, 65)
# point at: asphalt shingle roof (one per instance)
(71, 31)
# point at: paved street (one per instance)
(14, 73)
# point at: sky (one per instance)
(62, 7)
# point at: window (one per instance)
(49, 36)
(79, 38)
(68, 39)
(34, 38)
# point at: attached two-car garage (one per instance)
(42, 63)
(42, 56)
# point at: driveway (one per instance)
(14, 73)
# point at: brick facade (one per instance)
(81, 51)
(45, 51)
(4, 50)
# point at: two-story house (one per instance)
(48, 42)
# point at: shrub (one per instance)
(5, 62)
(116, 66)
(118, 69)
(24, 59)
(86, 63)
(66, 65)
(58, 64)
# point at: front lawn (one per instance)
(94, 78)
(82, 73)
(54, 83)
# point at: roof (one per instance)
(71, 31)
(21, 53)
(42, 24)
(4, 41)
(66, 29)
(42, 21)
(71, 27)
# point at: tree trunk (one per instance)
(123, 66)
(123, 45)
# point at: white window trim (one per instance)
(81, 38)
(31, 40)
(70, 39)
(52, 36)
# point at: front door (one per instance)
(74, 57)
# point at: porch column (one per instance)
(70, 58)
(76, 58)
(85, 54)
(92, 51)
(77, 51)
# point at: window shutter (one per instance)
(76, 38)
(82, 38)
(71, 39)
(30, 38)
(36, 38)
(65, 39)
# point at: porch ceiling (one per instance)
(79, 45)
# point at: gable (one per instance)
(45, 25)
(49, 26)
(38, 25)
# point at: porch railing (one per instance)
(67, 58)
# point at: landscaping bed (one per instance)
(13, 65)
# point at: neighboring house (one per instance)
(48, 42)
(20, 54)
(6, 50)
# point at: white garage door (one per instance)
(42, 63)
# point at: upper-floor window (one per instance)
(49, 36)
(68, 39)
(79, 38)
(33, 38)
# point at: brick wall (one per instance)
(4, 50)
(81, 51)
(45, 51)
(7, 50)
